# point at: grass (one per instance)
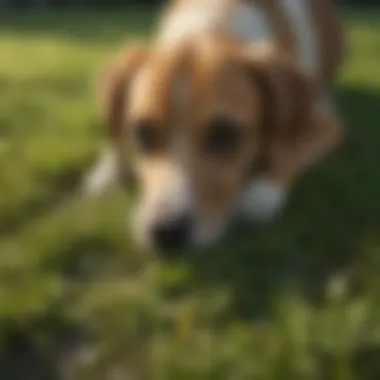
(296, 301)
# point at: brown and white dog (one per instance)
(221, 114)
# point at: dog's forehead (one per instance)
(182, 89)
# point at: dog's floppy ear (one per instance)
(113, 93)
(286, 94)
(296, 128)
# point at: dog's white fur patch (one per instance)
(168, 200)
(164, 202)
(262, 201)
(245, 21)
(103, 176)
(249, 23)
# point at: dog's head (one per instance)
(199, 122)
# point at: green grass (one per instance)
(297, 301)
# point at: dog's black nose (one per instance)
(172, 235)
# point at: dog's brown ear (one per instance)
(287, 97)
(114, 87)
(297, 129)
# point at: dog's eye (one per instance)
(146, 136)
(223, 137)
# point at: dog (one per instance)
(221, 114)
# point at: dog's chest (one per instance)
(246, 20)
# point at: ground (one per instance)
(298, 300)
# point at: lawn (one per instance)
(298, 300)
